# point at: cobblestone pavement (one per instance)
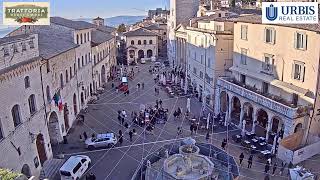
(120, 162)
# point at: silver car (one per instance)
(101, 140)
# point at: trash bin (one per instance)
(65, 140)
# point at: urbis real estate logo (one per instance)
(26, 13)
(290, 13)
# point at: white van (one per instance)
(74, 167)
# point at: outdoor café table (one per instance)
(248, 134)
(245, 144)
(253, 149)
(262, 139)
(266, 154)
(254, 140)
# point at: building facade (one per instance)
(24, 138)
(272, 88)
(180, 11)
(141, 43)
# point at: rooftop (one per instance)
(140, 32)
(99, 37)
(9, 39)
(98, 18)
(154, 27)
(106, 29)
(77, 25)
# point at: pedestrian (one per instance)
(85, 135)
(93, 135)
(241, 158)
(117, 89)
(250, 161)
(80, 138)
(269, 160)
(91, 176)
(130, 135)
(112, 85)
(120, 132)
(290, 166)
(207, 136)
(155, 91)
(191, 129)
(142, 85)
(126, 125)
(274, 168)
(134, 132)
(223, 144)
(266, 167)
(160, 102)
(121, 140)
(122, 120)
(179, 132)
(119, 118)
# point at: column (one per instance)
(228, 113)
(254, 120)
(217, 101)
(241, 116)
(269, 125)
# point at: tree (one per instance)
(122, 28)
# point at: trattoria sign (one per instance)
(26, 13)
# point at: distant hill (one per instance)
(117, 20)
(4, 31)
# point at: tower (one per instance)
(98, 21)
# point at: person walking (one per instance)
(191, 129)
(267, 167)
(112, 85)
(120, 140)
(207, 136)
(223, 144)
(126, 125)
(142, 85)
(130, 135)
(274, 168)
(241, 158)
(160, 102)
(122, 120)
(119, 119)
(250, 161)
(85, 136)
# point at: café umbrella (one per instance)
(188, 105)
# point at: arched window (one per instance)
(82, 61)
(32, 104)
(164, 33)
(27, 82)
(132, 42)
(77, 38)
(81, 40)
(85, 37)
(79, 65)
(150, 41)
(61, 81)
(86, 57)
(70, 70)
(74, 68)
(139, 42)
(67, 76)
(16, 117)
(48, 94)
(98, 57)
(88, 36)
(89, 57)
(94, 59)
(144, 41)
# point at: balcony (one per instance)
(268, 101)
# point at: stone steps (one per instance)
(51, 168)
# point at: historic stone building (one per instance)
(141, 43)
(180, 11)
(24, 138)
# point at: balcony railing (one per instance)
(269, 101)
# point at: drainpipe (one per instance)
(43, 97)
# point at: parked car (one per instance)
(101, 140)
(157, 64)
(142, 61)
(74, 167)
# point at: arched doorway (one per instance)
(277, 124)
(298, 128)
(103, 74)
(248, 115)
(75, 107)
(54, 128)
(236, 109)
(262, 123)
(140, 54)
(82, 99)
(149, 53)
(131, 53)
(90, 89)
(26, 170)
(66, 116)
(41, 148)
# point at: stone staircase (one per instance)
(50, 169)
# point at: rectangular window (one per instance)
(194, 70)
(269, 35)
(1, 133)
(201, 74)
(244, 32)
(242, 79)
(209, 63)
(31, 44)
(218, 27)
(5, 51)
(300, 40)
(265, 88)
(189, 66)
(243, 59)
(298, 70)
(268, 63)
(32, 104)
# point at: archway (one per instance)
(298, 128)
(262, 123)
(26, 170)
(149, 53)
(54, 128)
(75, 107)
(66, 117)
(41, 148)
(277, 124)
(103, 74)
(82, 98)
(131, 53)
(248, 115)
(236, 109)
(140, 54)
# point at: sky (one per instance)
(74, 9)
